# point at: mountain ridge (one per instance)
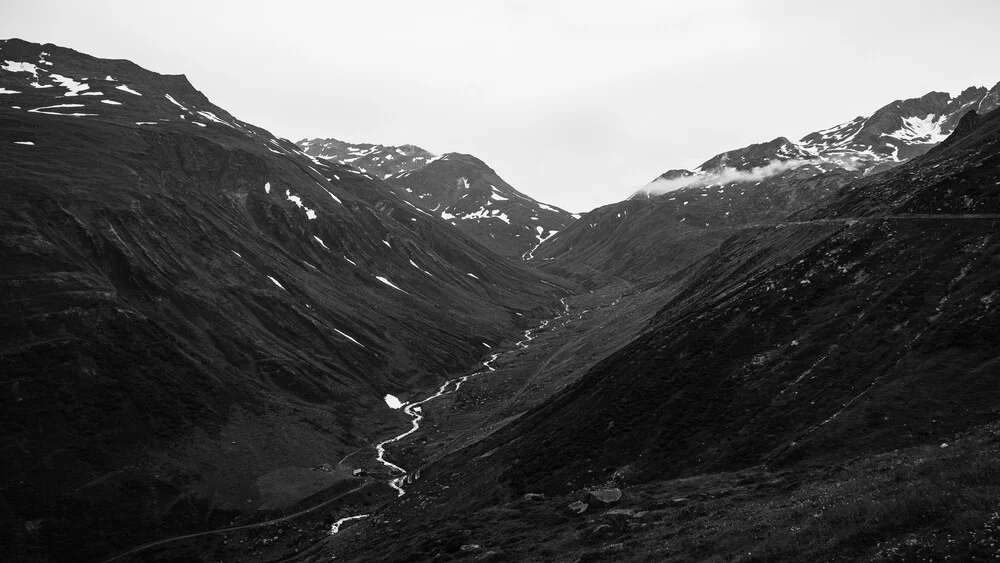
(847, 334)
(218, 345)
(688, 213)
(459, 188)
(196, 313)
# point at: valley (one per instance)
(222, 345)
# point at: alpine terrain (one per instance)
(459, 188)
(220, 345)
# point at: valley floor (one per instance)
(931, 502)
(525, 373)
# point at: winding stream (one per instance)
(415, 411)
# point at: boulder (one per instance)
(604, 497)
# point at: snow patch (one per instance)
(41, 110)
(414, 264)
(215, 119)
(921, 129)
(335, 528)
(298, 201)
(388, 283)
(347, 336)
(111, 102)
(125, 88)
(14, 66)
(393, 402)
(175, 102)
(335, 198)
(531, 253)
(277, 283)
(72, 86)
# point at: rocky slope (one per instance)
(195, 313)
(892, 134)
(459, 188)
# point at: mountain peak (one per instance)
(754, 156)
(457, 187)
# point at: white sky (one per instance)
(575, 103)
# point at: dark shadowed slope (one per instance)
(867, 325)
(195, 313)
(847, 331)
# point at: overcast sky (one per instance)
(575, 103)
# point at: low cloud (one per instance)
(724, 175)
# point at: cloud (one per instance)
(724, 175)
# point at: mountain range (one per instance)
(459, 188)
(222, 345)
(682, 214)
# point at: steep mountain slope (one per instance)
(898, 131)
(683, 214)
(783, 372)
(866, 325)
(459, 188)
(660, 236)
(194, 313)
(892, 134)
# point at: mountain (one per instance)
(794, 338)
(898, 131)
(195, 313)
(218, 346)
(459, 188)
(892, 134)
(831, 375)
(683, 214)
